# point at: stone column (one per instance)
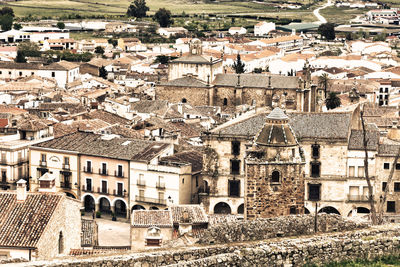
(113, 209)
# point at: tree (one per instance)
(6, 22)
(17, 26)
(238, 65)
(60, 25)
(163, 17)
(103, 72)
(257, 70)
(7, 11)
(29, 49)
(333, 101)
(113, 42)
(327, 30)
(137, 9)
(20, 57)
(99, 50)
(323, 81)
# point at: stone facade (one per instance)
(66, 221)
(274, 171)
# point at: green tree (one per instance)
(6, 22)
(20, 57)
(60, 25)
(327, 31)
(323, 81)
(333, 101)
(29, 49)
(238, 65)
(112, 41)
(7, 11)
(137, 9)
(99, 50)
(17, 26)
(257, 70)
(163, 17)
(380, 37)
(103, 72)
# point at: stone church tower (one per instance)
(274, 171)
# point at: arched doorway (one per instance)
(138, 207)
(88, 201)
(240, 209)
(154, 208)
(120, 208)
(222, 208)
(104, 205)
(306, 211)
(329, 210)
(363, 210)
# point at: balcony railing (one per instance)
(160, 185)
(102, 190)
(141, 182)
(118, 174)
(86, 188)
(87, 169)
(118, 193)
(66, 185)
(43, 163)
(66, 166)
(103, 171)
(151, 200)
(357, 198)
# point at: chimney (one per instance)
(21, 190)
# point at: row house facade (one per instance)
(112, 174)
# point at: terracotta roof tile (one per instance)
(147, 218)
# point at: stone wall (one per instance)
(261, 229)
(366, 243)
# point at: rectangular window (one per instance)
(104, 168)
(234, 188)
(88, 184)
(384, 184)
(386, 166)
(235, 148)
(360, 172)
(120, 189)
(396, 187)
(391, 206)
(43, 157)
(53, 74)
(351, 171)
(120, 172)
(104, 188)
(315, 151)
(397, 166)
(293, 210)
(315, 169)
(235, 166)
(161, 196)
(20, 73)
(88, 166)
(314, 192)
(141, 193)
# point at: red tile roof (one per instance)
(147, 218)
(22, 224)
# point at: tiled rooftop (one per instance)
(22, 224)
(147, 218)
(196, 214)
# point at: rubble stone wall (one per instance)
(323, 248)
(261, 229)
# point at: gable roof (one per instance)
(23, 223)
(196, 213)
(186, 81)
(356, 141)
(98, 145)
(193, 157)
(147, 218)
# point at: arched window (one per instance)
(184, 100)
(276, 177)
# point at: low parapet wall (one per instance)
(322, 248)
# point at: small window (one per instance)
(314, 192)
(53, 74)
(391, 206)
(235, 148)
(384, 184)
(184, 100)
(43, 157)
(315, 151)
(396, 187)
(235, 166)
(66, 160)
(315, 169)
(386, 165)
(275, 177)
(234, 188)
(293, 210)
(225, 101)
(20, 73)
(397, 166)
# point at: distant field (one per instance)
(341, 15)
(58, 8)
